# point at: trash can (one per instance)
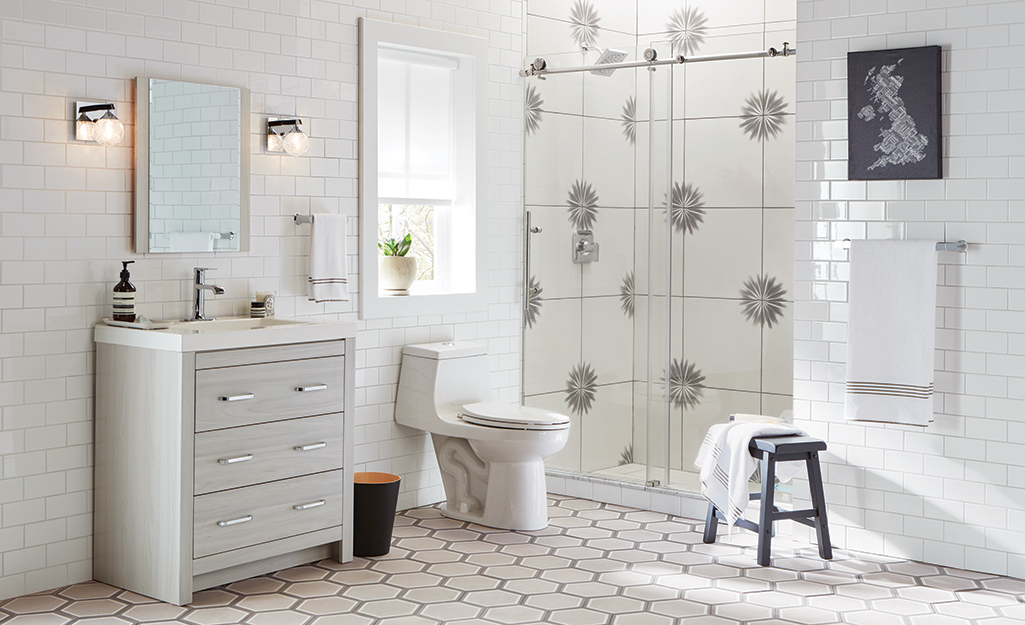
(374, 501)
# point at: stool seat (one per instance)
(773, 449)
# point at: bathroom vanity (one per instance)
(223, 451)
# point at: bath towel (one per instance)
(891, 332)
(726, 464)
(191, 241)
(329, 281)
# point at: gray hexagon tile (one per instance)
(596, 564)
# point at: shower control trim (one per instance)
(585, 250)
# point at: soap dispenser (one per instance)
(124, 296)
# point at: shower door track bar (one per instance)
(540, 69)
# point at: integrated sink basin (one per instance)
(233, 324)
(226, 333)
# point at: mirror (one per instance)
(191, 167)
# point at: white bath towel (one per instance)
(726, 464)
(191, 241)
(891, 332)
(329, 279)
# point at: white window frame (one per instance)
(457, 242)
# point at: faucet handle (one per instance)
(205, 268)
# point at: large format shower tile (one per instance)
(559, 94)
(552, 163)
(722, 344)
(778, 247)
(607, 342)
(606, 427)
(550, 261)
(780, 166)
(718, 88)
(613, 232)
(725, 251)
(606, 96)
(778, 354)
(551, 346)
(723, 162)
(608, 162)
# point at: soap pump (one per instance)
(124, 296)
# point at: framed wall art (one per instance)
(893, 114)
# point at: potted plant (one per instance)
(396, 271)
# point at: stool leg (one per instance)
(711, 524)
(765, 515)
(818, 501)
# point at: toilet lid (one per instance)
(513, 417)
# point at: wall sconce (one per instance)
(284, 135)
(97, 122)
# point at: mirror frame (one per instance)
(142, 165)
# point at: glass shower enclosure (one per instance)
(647, 325)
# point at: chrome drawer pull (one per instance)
(236, 397)
(244, 458)
(312, 387)
(310, 447)
(242, 519)
(312, 504)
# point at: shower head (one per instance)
(608, 56)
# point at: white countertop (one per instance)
(227, 333)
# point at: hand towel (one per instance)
(726, 464)
(329, 279)
(891, 332)
(191, 241)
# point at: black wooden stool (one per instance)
(773, 449)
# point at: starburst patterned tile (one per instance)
(687, 213)
(532, 109)
(533, 308)
(583, 19)
(580, 388)
(583, 205)
(763, 300)
(687, 30)
(685, 384)
(763, 115)
(627, 291)
(629, 120)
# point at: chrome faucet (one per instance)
(200, 287)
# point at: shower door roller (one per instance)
(585, 250)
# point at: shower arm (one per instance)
(540, 67)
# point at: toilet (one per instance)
(491, 455)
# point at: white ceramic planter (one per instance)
(395, 274)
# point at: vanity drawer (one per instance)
(244, 395)
(270, 451)
(257, 514)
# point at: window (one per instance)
(422, 163)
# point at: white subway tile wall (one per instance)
(66, 219)
(953, 493)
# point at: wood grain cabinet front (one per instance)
(216, 466)
(249, 455)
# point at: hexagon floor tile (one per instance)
(596, 564)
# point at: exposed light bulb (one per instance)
(295, 142)
(274, 142)
(84, 128)
(109, 130)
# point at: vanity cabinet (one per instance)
(215, 465)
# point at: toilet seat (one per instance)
(512, 417)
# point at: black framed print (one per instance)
(893, 114)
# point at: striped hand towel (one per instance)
(891, 332)
(726, 465)
(329, 281)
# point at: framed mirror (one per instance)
(191, 167)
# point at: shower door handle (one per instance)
(585, 250)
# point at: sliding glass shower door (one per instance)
(680, 317)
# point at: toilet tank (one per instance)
(437, 379)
